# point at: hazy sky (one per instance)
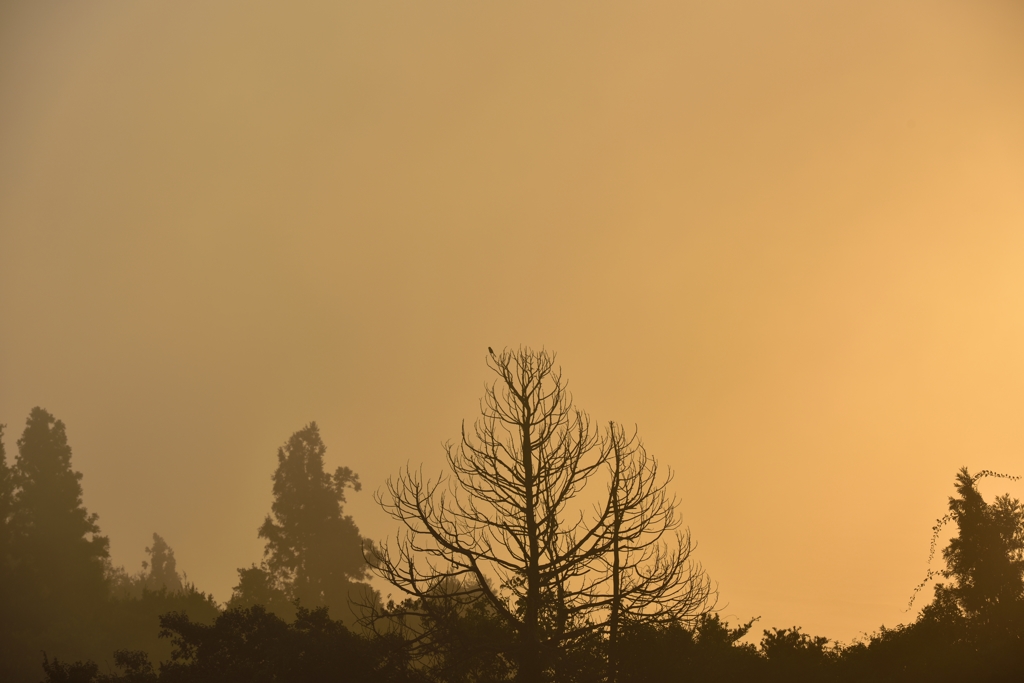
(785, 239)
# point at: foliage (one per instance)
(158, 573)
(134, 623)
(254, 645)
(54, 584)
(314, 553)
(985, 559)
(974, 627)
(792, 654)
(709, 650)
(258, 586)
(573, 591)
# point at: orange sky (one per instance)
(786, 240)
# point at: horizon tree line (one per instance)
(550, 550)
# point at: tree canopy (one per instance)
(314, 552)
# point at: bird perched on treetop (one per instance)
(490, 350)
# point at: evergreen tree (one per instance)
(986, 557)
(56, 538)
(259, 587)
(974, 626)
(313, 550)
(55, 585)
(158, 573)
(138, 600)
(163, 572)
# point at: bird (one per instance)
(490, 350)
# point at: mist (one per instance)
(782, 241)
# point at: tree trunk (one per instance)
(530, 665)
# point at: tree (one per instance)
(163, 569)
(504, 526)
(985, 560)
(55, 534)
(792, 654)
(158, 573)
(313, 550)
(986, 557)
(500, 528)
(56, 581)
(650, 575)
(247, 645)
(974, 626)
(706, 650)
(258, 587)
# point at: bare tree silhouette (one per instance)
(499, 527)
(507, 527)
(650, 574)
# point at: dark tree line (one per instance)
(551, 550)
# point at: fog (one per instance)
(784, 240)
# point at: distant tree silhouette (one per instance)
(133, 623)
(132, 617)
(56, 582)
(313, 550)
(977, 615)
(986, 557)
(158, 573)
(258, 586)
(163, 572)
(973, 629)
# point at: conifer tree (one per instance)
(986, 557)
(56, 538)
(56, 583)
(313, 550)
(163, 568)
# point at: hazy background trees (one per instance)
(158, 573)
(59, 592)
(313, 554)
(535, 493)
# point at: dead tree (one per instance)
(500, 527)
(650, 576)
